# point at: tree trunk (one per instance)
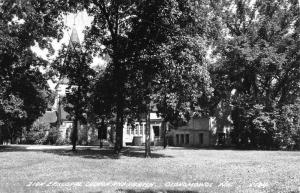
(119, 137)
(74, 134)
(12, 135)
(164, 130)
(58, 114)
(101, 132)
(147, 140)
(101, 143)
(1, 137)
(119, 132)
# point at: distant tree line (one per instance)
(184, 56)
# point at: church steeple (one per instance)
(74, 42)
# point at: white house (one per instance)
(138, 130)
(200, 132)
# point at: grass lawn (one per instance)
(57, 169)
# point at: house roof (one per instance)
(62, 81)
(64, 114)
(49, 117)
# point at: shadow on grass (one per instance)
(156, 191)
(151, 191)
(162, 191)
(84, 152)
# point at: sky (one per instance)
(78, 21)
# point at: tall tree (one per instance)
(260, 61)
(73, 63)
(167, 59)
(23, 24)
(110, 27)
(134, 35)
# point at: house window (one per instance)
(187, 139)
(141, 129)
(131, 130)
(156, 131)
(201, 138)
(182, 138)
(128, 130)
(177, 139)
(137, 129)
(134, 130)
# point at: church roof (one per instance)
(49, 117)
(64, 114)
(74, 39)
(62, 81)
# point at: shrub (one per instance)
(53, 135)
(287, 133)
(61, 141)
(37, 134)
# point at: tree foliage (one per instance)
(73, 64)
(23, 94)
(259, 51)
(157, 55)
